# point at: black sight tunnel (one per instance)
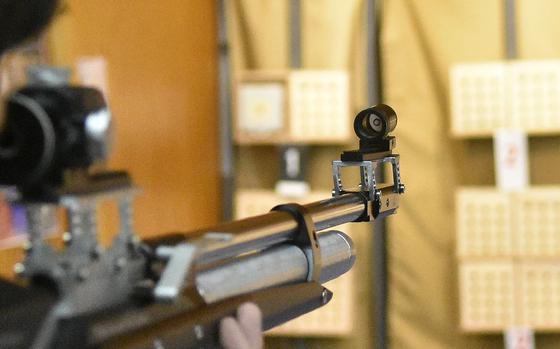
(375, 122)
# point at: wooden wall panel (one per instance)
(162, 70)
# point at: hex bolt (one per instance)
(67, 238)
(27, 246)
(83, 274)
(158, 344)
(19, 268)
(325, 296)
(199, 332)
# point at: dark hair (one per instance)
(23, 19)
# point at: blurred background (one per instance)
(226, 108)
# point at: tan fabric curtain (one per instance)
(421, 40)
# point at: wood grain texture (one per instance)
(162, 71)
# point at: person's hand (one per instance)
(244, 331)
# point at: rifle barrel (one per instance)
(260, 232)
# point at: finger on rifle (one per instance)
(250, 319)
(231, 334)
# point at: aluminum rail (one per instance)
(259, 232)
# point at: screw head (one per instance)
(19, 268)
(67, 238)
(136, 240)
(83, 274)
(97, 252)
(199, 332)
(158, 344)
(27, 246)
(325, 296)
(120, 263)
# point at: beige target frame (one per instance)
(508, 248)
(301, 106)
(523, 95)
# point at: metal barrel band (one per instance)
(306, 238)
(365, 216)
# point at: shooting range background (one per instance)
(162, 81)
(420, 41)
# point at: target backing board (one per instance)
(478, 99)
(483, 223)
(298, 106)
(539, 301)
(508, 248)
(522, 95)
(487, 295)
(536, 222)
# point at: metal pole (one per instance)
(379, 248)
(510, 29)
(226, 141)
(372, 52)
(295, 34)
(295, 63)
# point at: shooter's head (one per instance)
(21, 20)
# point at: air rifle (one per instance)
(169, 292)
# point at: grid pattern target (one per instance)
(302, 106)
(540, 295)
(478, 98)
(536, 95)
(487, 291)
(527, 277)
(483, 223)
(521, 95)
(537, 222)
(319, 105)
(334, 319)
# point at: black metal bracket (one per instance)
(306, 238)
